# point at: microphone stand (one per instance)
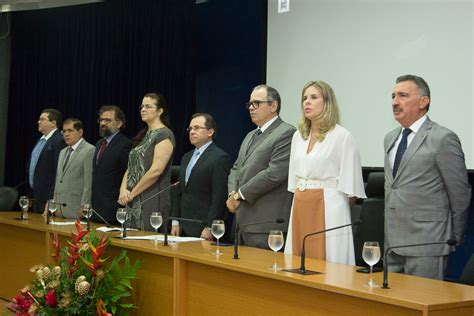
(450, 242)
(237, 232)
(302, 269)
(124, 234)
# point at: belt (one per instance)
(303, 184)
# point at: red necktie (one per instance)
(101, 150)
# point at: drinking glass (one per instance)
(155, 221)
(371, 255)
(24, 204)
(275, 242)
(87, 211)
(217, 230)
(52, 207)
(121, 216)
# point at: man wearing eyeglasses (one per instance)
(203, 176)
(257, 186)
(41, 169)
(109, 162)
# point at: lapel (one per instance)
(201, 159)
(261, 139)
(74, 154)
(415, 144)
(109, 147)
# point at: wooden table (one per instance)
(186, 279)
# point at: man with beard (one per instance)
(110, 162)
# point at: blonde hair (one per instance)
(328, 118)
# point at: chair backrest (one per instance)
(372, 216)
(8, 198)
(467, 276)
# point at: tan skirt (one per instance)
(308, 217)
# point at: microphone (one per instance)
(124, 234)
(450, 242)
(237, 232)
(302, 269)
(165, 242)
(94, 212)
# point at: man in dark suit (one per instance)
(110, 162)
(427, 193)
(41, 170)
(203, 176)
(258, 180)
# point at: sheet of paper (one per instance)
(162, 238)
(65, 223)
(113, 229)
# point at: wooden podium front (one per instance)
(186, 279)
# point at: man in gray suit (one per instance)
(258, 180)
(427, 193)
(74, 173)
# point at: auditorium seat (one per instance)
(8, 198)
(372, 216)
(467, 276)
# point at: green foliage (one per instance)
(81, 283)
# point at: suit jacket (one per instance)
(261, 174)
(107, 176)
(45, 170)
(73, 185)
(203, 197)
(428, 199)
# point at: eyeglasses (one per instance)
(105, 120)
(255, 103)
(195, 128)
(147, 106)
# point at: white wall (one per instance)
(360, 46)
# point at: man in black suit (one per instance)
(41, 169)
(202, 190)
(109, 163)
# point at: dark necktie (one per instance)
(101, 150)
(254, 139)
(400, 151)
(68, 154)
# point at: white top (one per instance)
(335, 158)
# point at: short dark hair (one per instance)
(272, 95)
(54, 115)
(423, 88)
(119, 113)
(209, 122)
(76, 123)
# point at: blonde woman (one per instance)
(325, 175)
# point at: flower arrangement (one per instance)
(79, 282)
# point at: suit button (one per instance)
(61, 181)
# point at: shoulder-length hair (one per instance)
(328, 118)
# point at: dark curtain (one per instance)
(78, 58)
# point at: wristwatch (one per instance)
(237, 196)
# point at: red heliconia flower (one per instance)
(80, 233)
(51, 299)
(57, 248)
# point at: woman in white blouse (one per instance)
(326, 176)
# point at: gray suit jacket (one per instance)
(428, 199)
(262, 176)
(73, 185)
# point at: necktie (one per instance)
(254, 139)
(34, 159)
(400, 151)
(68, 154)
(191, 164)
(101, 150)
